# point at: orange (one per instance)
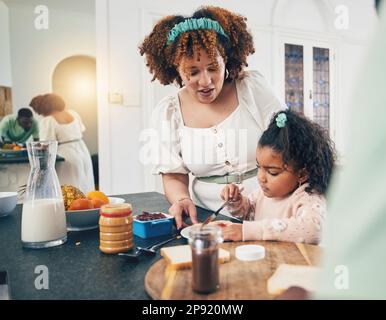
(98, 195)
(97, 203)
(81, 204)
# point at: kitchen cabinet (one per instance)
(14, 172)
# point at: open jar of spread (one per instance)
(205, 266)
(116, 228)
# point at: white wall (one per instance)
(35, 53)
(122, 25)
(5, 57)
(74, 79)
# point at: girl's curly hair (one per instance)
(304, 145)
(163, 60)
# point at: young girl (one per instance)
(295, 159)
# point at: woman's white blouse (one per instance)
(227, 147)
(77, 168)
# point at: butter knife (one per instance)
(215, 214)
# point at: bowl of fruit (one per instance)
(82, 210)
(13, 149)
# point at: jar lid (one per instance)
(208, 233)
(250, 252)
(116, 210)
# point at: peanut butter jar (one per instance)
(116, 228)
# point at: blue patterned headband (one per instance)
(195, 24)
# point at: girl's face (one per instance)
(276, 179)
(203, 78)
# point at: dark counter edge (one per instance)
(13, 160)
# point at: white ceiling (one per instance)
(81, 6)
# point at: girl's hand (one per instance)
(231, 192)
(230, 231)
(220, 223)
(183, 208)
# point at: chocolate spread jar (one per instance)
(205, 266)
(116, 228)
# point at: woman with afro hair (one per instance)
(211, 126)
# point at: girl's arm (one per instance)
(304, 226)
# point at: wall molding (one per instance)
(148, 96)
(325, 8)
(102, 14)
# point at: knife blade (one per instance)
(215, 214)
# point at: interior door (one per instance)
(307, 80)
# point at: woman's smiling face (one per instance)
(203, 78)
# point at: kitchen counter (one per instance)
(77, 269)
(24, 159)
(14, 171)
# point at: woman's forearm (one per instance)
(176, 186)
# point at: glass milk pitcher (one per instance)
(43, 222)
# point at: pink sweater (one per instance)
(296, 218)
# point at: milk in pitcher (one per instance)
(43, 212)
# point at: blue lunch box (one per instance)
(153, 228)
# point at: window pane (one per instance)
(321, 87)
(294, 77)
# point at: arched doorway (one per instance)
(74, 78)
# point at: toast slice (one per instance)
(289, 275)
(180, 257)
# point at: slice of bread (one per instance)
(288, 275)
(180, 257)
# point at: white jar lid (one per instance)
(250, 252)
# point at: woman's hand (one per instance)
(231, 192)
(230, 231)
(181, 208)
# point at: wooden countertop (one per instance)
(238, 279)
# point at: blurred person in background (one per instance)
(19, 128)
(354, 264)
(67, 128)
(355, 257)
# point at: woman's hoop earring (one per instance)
(226, 74)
